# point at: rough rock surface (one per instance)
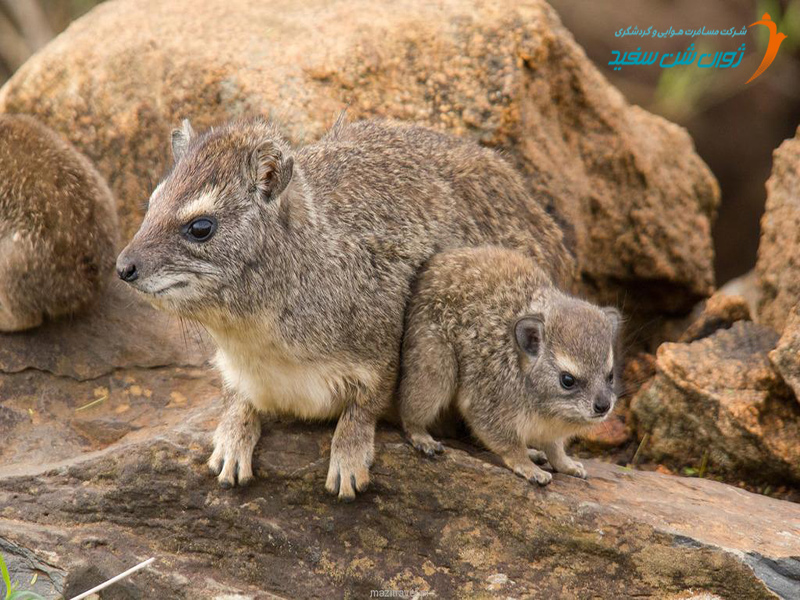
(88, 490)
(635, 198)
(786, 356)
(719, 312)
(778, 267)
(719, 397)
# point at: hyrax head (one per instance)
(567, 357)
(211, 219)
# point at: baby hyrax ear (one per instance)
(615, 317)
(181, 138)
(529, 334)
(270, 171)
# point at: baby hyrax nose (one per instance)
(601, 405)
(127, 272)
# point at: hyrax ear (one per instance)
(529, 334)
(269, 170)
(615, 317)
(181, 138)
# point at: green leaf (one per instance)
(6, 577)
(25, 596)
(11, 593)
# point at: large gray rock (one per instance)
(635, 198)
(87, 491)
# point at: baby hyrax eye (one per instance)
(567, 380)
(200, 229)
(610, 378)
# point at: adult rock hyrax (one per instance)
(524, 363)
(58, 226)
(299, 263)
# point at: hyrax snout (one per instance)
(58, 226)
(526, 365)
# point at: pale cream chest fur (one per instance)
(276, 382)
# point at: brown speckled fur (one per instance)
(469, 310)
(304, 285)
(58, 226)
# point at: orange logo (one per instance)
(775, 40)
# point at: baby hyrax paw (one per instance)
(533, 473)
(234, 442)
(575, 469)
(425, 444)
(537, 456)
(348, 472)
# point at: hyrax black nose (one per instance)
(128, 272)
(601, 405)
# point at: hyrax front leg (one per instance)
(517, 460)
(561, 462)
(234, 441)
(511, 449)
(427, 386)
(352, 451)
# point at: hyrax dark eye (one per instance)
(610, 377)
(201, 229)
(567, 381)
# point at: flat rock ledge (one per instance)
(106, 468)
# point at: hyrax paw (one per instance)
(537, 456)
(533, 473)
(348, 474)
(426, 445)
(231, 464)
(541, 477)
(575, 469)
(232, 459)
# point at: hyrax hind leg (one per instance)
(234, 441)
(427, 386)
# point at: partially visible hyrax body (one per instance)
(58, 226)
(299, 262)
(522, 362)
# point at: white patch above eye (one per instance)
(567, 364)
(610, 361)
(155, 193)
(204, 204)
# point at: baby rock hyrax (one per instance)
(58, 226)
(299, 263)
(522, 362)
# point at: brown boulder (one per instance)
(635, 198)
(778, 267)
(786, 356)
(718, 312)
(719, 399)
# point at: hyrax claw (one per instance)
(425, 444)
